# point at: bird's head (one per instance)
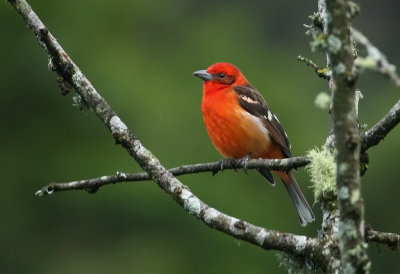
(221, 75)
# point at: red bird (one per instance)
(241, 125)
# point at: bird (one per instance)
(241, 126)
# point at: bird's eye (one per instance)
(221, 75)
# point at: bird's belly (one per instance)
(237, 133)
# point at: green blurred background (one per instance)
(140, 56)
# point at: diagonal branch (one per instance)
(63, 65)
(92, 185)
(370, 58)
(379, 131)
(374, 59)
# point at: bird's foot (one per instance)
(224, 162)
(245, 161)
(221, 166)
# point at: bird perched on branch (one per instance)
(241, 126)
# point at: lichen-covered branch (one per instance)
(378, 132)
(336, 16)
(70, 73)
(92, 185)
(392, 240)
(367, 57)
(371, 58)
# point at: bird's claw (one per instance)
(245, 161)
(221, 167)
(224, 162)
(221, 164)
(233, 162)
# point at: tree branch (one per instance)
(369, 57)
(372, 58)
(92, 185)
(336, 25)
(267, 239)
(392, 240)
(378, 132)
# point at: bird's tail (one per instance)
(304, 210)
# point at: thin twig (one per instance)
(92, 185)
(321, 72)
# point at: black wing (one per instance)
(253, 102)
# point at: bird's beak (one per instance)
(203, 74)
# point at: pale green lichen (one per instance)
(355, 196)
(348, 229)
(357, 253)
(328, 16)
(319, 39)
(343, 193)
(313, 28)
(296, 264)
(260, 238)
(318, 42)
(314, 17)
(340, 68)
(359, 96)
(334, 44)
(117, 125)
(322, 170)
(366, 63)
(354, 9)
(80, 103)
(191, 203)
(322, 100)
(348, 268)
(343, 167)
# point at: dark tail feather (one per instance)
(267, 175)
(303, 208)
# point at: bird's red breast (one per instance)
(233, 131)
